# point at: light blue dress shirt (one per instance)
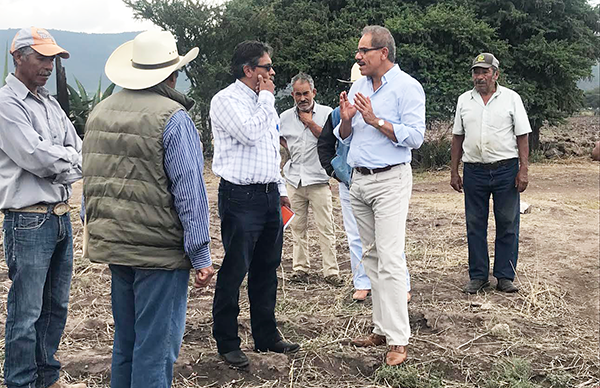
(400, 100)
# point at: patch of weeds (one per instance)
(537, 156)
(432, 155)
(407, 376)
(510, 373)
(560, 379)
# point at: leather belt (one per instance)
(491, 166)
(265, 187)
(371, 171)
(58, 209)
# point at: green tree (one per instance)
(592, 99)
(544, 46)
(552, 44)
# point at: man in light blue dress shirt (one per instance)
(382, 120)
(40, 157)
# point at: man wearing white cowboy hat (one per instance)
(40, 157)
(146, 206)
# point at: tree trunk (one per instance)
(61, 87)
(534, 136)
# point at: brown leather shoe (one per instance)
(369, 340)
(396, 355)
(408, 297)
(360, 295)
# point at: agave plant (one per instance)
(81, 104)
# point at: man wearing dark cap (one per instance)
(40, 157)
(490, 134)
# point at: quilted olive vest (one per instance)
(131, 218)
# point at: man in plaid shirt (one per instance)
(245, 126)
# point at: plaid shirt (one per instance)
(245, 127)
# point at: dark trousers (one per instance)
(252, 234)
(479, 184)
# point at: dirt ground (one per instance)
(553, 322)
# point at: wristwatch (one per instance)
(380, 123)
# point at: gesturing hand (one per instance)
(347, 110)
(265, 84)
(363, 104)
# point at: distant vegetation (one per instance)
(89, 53)
(545, 47)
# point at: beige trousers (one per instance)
(318, 197)
(380, 206)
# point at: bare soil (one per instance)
(552, 322)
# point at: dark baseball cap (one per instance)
(485, 60)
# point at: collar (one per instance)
(246, 90)
(164, 90)
(21, 90)
(389, 75)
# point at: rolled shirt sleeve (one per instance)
(410, 132)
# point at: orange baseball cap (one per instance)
(40, 40)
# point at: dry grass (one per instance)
(455, 336)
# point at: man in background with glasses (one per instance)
(245, 126)
(382, 120)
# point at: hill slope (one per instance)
(89, 53)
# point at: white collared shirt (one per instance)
(245, 127)
(304, 166)
(490, 129)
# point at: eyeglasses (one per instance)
(267, 67)
(364, 50)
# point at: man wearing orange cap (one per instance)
(40, 157)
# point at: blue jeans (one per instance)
(479, 183)
(252, 235)
(149, 308)
(39, 253)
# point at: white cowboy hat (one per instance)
(147, 60)
(355, 75)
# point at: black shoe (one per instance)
(334, 280)
(236, 358)
(299, 277)
(476, 285)
(280, 347)
(506, 285)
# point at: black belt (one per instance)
(265, 187)
(371, 171)
(492, 166)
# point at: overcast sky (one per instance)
(92, 16)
